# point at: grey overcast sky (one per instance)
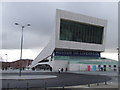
(41, 16)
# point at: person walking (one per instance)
(62, 69)
(59, 70)
(66, 69)
(51, 69)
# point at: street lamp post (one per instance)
(22, 27)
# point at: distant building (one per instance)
(76, 44)
(16, 64)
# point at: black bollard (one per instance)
(88, 85)
(27, 85)
(45, 85)
(105, 82)
(8, 86)
(97, 84)
(63, 88)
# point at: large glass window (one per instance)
(80, 32)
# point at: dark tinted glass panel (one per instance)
(80, 32)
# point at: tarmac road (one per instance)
(62, 79)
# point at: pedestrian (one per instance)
(101, 68)
(66, 69)
(51, 69)
(62, 69)
(59, 70)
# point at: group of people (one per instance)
(61, 70)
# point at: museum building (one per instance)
(76, 44)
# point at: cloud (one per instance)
(41, 16)
(14, 54)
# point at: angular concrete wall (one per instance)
(47, 51)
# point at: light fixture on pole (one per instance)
(22, 27)
(6, 60)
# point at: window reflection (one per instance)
(80, 32)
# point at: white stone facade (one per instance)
(55, 42)
(79, 18)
